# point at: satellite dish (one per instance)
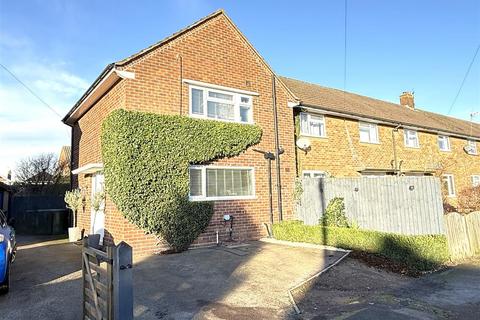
(303, 143)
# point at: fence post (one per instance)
(122, 282)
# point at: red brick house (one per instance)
(208, 62)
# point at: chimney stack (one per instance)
(407, 99)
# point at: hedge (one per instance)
(422, 252)
(146, 158)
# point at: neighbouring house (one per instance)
(64, 160)
(208, 63)
(209, 70)
(5, 196)
(353, 135)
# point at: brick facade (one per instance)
(215, 53)
(342, 154)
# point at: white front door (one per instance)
(97, 218)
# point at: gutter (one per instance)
(355, 116)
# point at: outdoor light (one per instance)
(226, 217)
(411, 188)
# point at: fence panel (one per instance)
(463, 234)
(406, 205)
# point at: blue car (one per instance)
(8, 248)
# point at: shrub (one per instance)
(146, 159)
(469, 199)
(424, 252)
(334, 215)
(74, 200)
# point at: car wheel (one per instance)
(5, 286)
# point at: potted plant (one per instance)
(73, 199)
(97, 203)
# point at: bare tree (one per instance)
(39, 173)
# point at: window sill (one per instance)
(312, 136)
(449, 150)
(414, 148)
(225, 198)
(215, 119)
(368, 142)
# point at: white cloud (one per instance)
(27, 126)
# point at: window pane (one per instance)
(228, 182)
(195, 182)
(364, 135)
(304, 123)
(219, 95)
(197, 101)
(219, 110)
(244, 114)
(244, 99)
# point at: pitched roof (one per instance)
(334, 100)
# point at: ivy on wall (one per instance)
(146, 158)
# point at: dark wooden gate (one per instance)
(107, 282)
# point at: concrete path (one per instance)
(353, 290)
(244, 282)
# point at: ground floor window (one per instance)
(449, 184)
(221, 183)
(314, 174)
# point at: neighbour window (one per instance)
(221, 183)
(220, 105)
(411, 139)
(449, 184)
(476, 180)
(314, 174)
(444, 143)
(368, 132)
(472, 147)
(312, 125)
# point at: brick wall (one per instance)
(213, 53)
(335, 155)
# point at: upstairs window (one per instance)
(444, 143)
(312, 125)
(411, 139)
(449, 184)
(221, 183)
(220, 105)
(476, 180)
(368, 132)
(472, 147)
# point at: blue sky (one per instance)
(59, 47)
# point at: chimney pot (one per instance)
(407, 99)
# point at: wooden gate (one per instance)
(107, 282)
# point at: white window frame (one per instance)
(237, 97)
(371, 126)
(475, 180)
(449, 178)
(406, 133)
(447, 140)
(204, 196)
(473, 143)
(312, 173)
(309, 120)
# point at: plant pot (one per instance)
(73, 234)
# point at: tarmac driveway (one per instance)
(237, 282)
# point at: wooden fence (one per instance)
(406, 205)
(463, 234)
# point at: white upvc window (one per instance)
(449, 184)
(476, 180)
(220, 105)
(411, 138)
(314, 174)
(472, 147)
(221, 183)
(312, 125)
(444, 143)
(368, 132)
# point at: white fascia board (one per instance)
(88, 168)
(216, 86)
